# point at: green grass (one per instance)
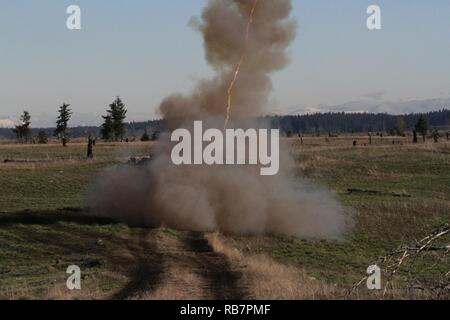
(382, 222)
(38, 238)
(36, 248)
(60, 180)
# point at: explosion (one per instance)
(233, 199)
(238, 68)
(254, 34)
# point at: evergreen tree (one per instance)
(62, 123)
(422, 126)
(23, 131)
(118, 114)
(107, 130)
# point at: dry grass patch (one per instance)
(180, 284)
(268, 279)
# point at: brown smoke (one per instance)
(237, 70)
(233, 199)
(224, 25)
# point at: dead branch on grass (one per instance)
(393, 262)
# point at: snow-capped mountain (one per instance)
(7, 123)
(375, 106)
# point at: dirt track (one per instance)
(186, 268)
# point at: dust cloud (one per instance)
(230, 199)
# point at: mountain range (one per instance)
(378, 106)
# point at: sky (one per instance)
(145, 50)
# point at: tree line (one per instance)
(113, 128)
(337, 123)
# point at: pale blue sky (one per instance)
(144, 50)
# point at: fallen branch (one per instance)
(375, 192)
(27, 161)
(395, 259)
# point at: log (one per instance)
(375, 192)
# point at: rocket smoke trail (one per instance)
(255, 33)
(238, 67)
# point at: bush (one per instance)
(42, 137)
(145, 137)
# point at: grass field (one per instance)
(402, 196)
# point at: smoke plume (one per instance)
(251, 37)
(224, 25)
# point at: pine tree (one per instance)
(422, 127)
(23, 131)
(62, 122)
(118, 114)
(107, 128)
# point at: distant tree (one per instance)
(90, 147)
(317, 131)
(145, 137)
(107, 130)
(42, 137)
(118, 114)
(62, 124)
(113, 128)
(422, 127)
(436, 135)
(23, 131)
(400, 126)
(155, 136)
